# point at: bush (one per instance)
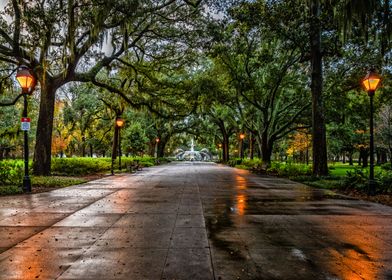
(234, 161)
(8, 190)
(11, 172)
(357, 179)
(290, 169)
(84, 166)
(80, 166)
(384, 181)
(386, 166)
(252, 164)
(150, 161)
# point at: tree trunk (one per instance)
(161, 148)
(363, 154)
(42, 152)
(266, 150)
(350, 158)
(91, 150)
(83, 146)
(378, 157)
(320, 163)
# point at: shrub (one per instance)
(84, 166)
(150, 161)
(290, 169)
(80, 166)
(357, 179)
(386, 166)
(384, 181)
(253, 164)
(7, 190)
(234, 161)
(11, 172)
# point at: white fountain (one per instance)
(192, 155)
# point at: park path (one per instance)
(193, 221)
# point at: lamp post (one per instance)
(242, 137)
(119, 124)
(371, 82)
(156, 147)
(220, 151)
(26, 81)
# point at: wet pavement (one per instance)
(193, 221)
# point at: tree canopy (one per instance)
(175, 69)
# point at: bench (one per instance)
(134, 166)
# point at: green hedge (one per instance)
(84, 166)
(249, 164)
(289, 169)
(79, 166)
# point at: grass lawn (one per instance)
(43, 183)
(340, 169)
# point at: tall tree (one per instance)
(62, 42)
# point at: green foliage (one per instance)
(289, 169)
(145, 161)
(8, 190)
(11, 172)
(384, 181)
(86, 166)
(55, 181)
(79, 166)
(234, 162)
(251, 164)
(357, 179)
(135, 139)
(386, 166)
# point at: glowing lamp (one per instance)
(25, 79)
(371, 81)
(119, 122)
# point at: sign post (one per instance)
(25, 124)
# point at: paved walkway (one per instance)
(193, 221)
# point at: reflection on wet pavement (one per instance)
(193, 221)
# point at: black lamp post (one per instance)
(119, 124)
(26, 81)
(242, 137)
(371, 82)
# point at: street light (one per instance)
(26, 82)
(156, 146)
(242, 137)
(119, 124)
(371, 83)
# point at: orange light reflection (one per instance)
(241, 203)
